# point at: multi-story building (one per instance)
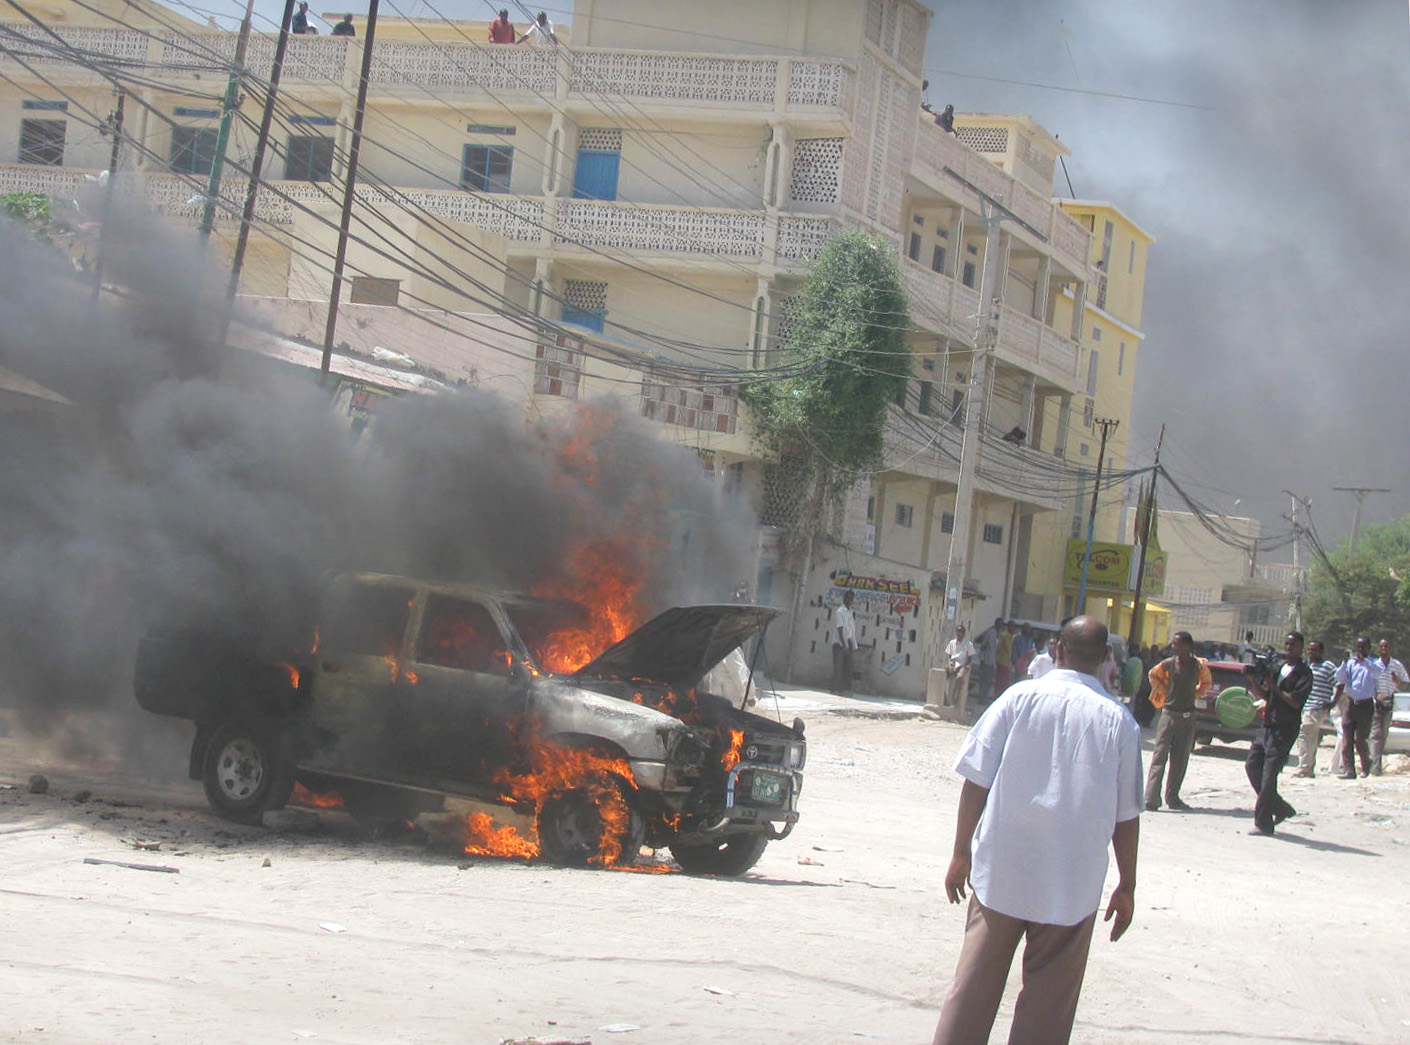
(632, 212)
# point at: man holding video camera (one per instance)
(1281, 690)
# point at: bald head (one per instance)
(1083, 644)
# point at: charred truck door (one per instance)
(458, 693)
(359, 657)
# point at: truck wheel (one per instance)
(731, 856)
(247, 770)
(574, 826)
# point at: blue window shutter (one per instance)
(595, 177)
(584, 317)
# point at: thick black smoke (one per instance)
(190, 485)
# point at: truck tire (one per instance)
(571, 827)
(729, 857)
(247, 770)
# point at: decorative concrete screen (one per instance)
(709, 408)
(984, 139)
(558, 368)
(817, 170)
(675, 77)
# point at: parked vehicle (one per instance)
(1226, 675)
(408, 691)
(1398, 736)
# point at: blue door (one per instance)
(584, 317)
(595, 177)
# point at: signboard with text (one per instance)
(1113, 568)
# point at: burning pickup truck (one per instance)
(408, 692)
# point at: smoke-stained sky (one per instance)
(1277, 316)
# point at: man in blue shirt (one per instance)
(1357, 678)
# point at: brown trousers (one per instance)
(1054, 961)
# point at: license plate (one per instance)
(766, 787)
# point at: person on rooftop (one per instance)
(541, 33)
(345, 27)
(502, 29)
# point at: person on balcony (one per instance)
(345, 27)
(299, 24)
(502, 29)
(946, 119)
(541, 32)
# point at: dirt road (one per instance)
(841, 934)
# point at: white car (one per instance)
(1398, 738)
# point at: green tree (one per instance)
(851, 357)
(1367, 593)
(34, 210)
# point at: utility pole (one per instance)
(1360, 493)
(349, 190)
(227, 114)
(986, 336)
(115, 126)
(1106, 424)
(1137, 604)
(242, 240)
(1300, 505)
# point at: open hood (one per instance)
(679, 646)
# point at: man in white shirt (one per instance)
(540, 33)
(1052, 773)
(960, 655)
(844, 644)
(1392, 678)
(1043, 662)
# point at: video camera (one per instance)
(1265, 667)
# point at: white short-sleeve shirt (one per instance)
(1062, 763)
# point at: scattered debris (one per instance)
(546, 1041)
(828, 849)
(869, 885)
(332, 927)
(38, 784)
(718, 990)
(136, 867)
(8, 787)
(810, 861)
(619, 1028)
(136, 843)
(267, 862)
(83, 796)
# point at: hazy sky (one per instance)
(1276, 306)
(1263, 142)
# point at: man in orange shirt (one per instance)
(1176, 683)
(502, 29)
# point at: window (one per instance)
(42, 142)
(310, 158)
(905, 515)
(584, 303)
(558, 367)
(913, 251)
(871, 509)
(942, 232)
(937, 259)
(373, 290)
(193, 150)
(461, 634)
(369, 619)
(993, 534)
(595, 176)
(947, 522)
(918, 219)
(1131, 259)
(1092, 372)
(968, 277)
(1121, 360)
(487, 168)
(1107, 233)
(1096, 332)
(1089, 413)
(923, 406)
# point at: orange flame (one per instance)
(292, 672)
(483, 838)
(302, 796)
(730, 758)
(602, 576)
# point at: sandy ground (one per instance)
(841, 934)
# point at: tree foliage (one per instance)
(34, 210)
(1367, 593)
(853, 360)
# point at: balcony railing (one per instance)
(937, 151)
(751, 82)
(698, 232)
(948, 306)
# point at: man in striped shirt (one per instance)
(1317, 709)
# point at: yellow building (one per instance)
(632, 212)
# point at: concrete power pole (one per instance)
(1300, 505)
(985, 338)
(1360, 493)
(1106, 424)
